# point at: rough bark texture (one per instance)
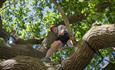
(98, 37)
(22, 63)
(25, 50)
(29, 41)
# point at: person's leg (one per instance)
(54, 47)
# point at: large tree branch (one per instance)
(98, 37)
(26, 63)
(22, 63)
(7, 52)
(29, 41)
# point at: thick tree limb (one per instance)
(98, 37)
(29, 41)
(22, 63)
(7, 52)
(26, 63)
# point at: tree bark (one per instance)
(29, 41)
(22, 63)
(15, 50)
(98, 37)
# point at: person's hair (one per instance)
(51, 28)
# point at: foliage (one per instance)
(32, 18)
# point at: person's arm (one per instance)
(61, 29)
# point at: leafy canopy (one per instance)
(32, 18)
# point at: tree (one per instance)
(81, 15)
(98, 37)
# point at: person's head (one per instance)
(54, 28)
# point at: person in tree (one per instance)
(62, 39)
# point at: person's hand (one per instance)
(61, 32)
(113, 48)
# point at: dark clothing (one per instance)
(64, 38)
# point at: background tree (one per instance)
(32, 20)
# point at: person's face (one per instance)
(54, 29)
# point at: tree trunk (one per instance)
(98, 37)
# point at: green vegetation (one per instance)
(32, 19)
